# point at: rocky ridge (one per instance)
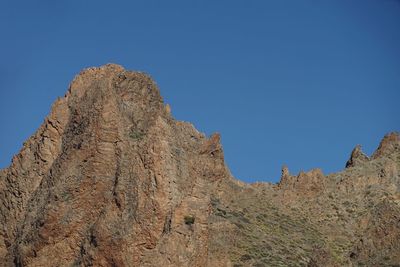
(111, 179)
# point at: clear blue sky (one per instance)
(285, 82)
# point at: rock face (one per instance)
(357, 157)
(111, 179)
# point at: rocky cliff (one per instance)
(111, 179)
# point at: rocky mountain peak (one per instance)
(285, 172)
(389, 144)
(356, 157)
(112, 179)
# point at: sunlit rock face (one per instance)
(112, 179)
(357, 157)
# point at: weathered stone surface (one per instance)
(379, 245)
(110, 179)
(389, 144)
(357, 157)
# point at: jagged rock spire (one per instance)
(285, 171)
(285, 177)
(389, 144)
(356, 157)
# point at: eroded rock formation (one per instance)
(111, 179)
(357, 157)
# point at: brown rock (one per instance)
(110, 179)
(321, 257)
(380, 243)
(356, 158)
(389, 144)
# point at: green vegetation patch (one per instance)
(189, 219)
(136, 135)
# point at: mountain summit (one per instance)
(112, 179)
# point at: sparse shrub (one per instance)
(136, 135)
(214, 201)
(221, 213)
(189, 219)
(245, 257)
(386, 258)
(66, 196)
(349, 210)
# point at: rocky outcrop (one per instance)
(321, 257)
(111, 179)
(379, 244)
(304, 185)
(389, 144)
(357, 157)
(108, 178)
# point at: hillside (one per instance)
(112, 179)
